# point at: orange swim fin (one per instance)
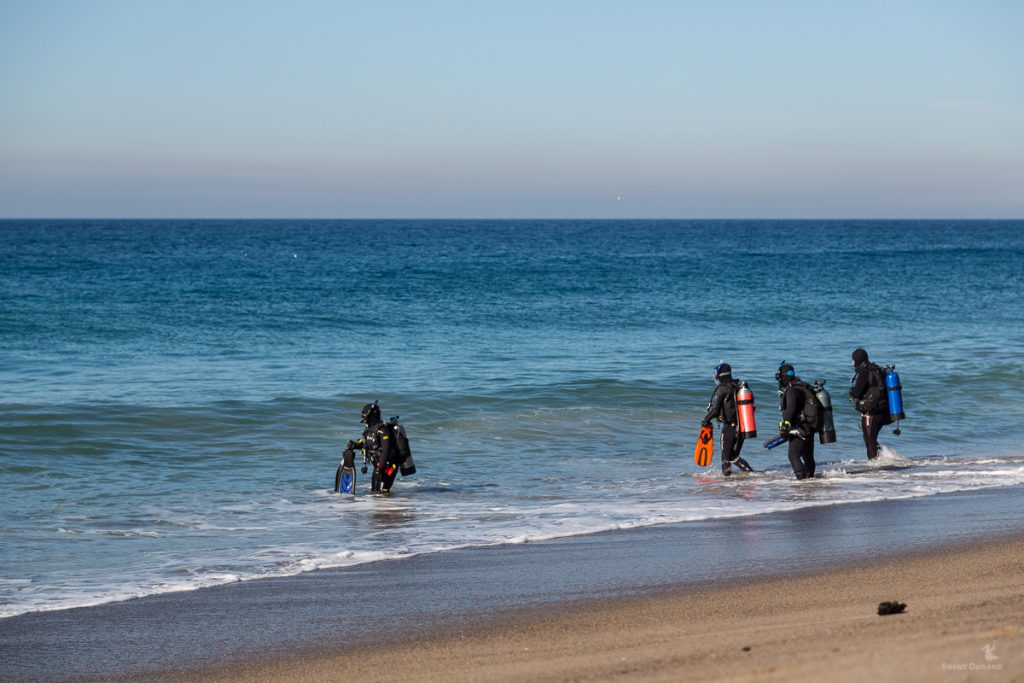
(705, 450)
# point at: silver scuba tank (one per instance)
(828, 428)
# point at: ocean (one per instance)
(176, 394)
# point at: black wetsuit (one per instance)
(383, 453)
(801, 449)
(871, 399)
(722, 407)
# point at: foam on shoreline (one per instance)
(347, 607)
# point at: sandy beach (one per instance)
(964, 621)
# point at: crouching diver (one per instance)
(385, 448)
(722, 407)
(797, 424)
(869, 396)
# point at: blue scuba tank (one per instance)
(895, 391)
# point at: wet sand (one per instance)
(672, 602)
(964, 621)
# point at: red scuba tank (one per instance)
(745, 410)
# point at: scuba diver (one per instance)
(800, 419)
(869, 396)
(385, 447)
(722, 407)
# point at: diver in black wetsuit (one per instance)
(722, 407)
(792, 398)
(870, 397)
(379, 448)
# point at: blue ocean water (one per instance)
(175, 394)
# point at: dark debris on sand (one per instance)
(891, 608)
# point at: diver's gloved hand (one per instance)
(363, 469)
(784, 426)
(705, 423)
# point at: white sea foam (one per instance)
(111, 532)
(310, 531)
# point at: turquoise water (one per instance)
(176, 394)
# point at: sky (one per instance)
(518, 109)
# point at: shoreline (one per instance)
(318, 615)
(964, 619)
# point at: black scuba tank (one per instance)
(406, 465)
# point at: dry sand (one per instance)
(814, 627)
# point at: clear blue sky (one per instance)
(477, 108)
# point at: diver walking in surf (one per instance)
(869, 396)
(385, 447)
(801, 415)
(723, 407)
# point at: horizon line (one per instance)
(486, 218)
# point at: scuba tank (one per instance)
(895, 391)
(827, 434)
(745, 410)
(406, 466)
